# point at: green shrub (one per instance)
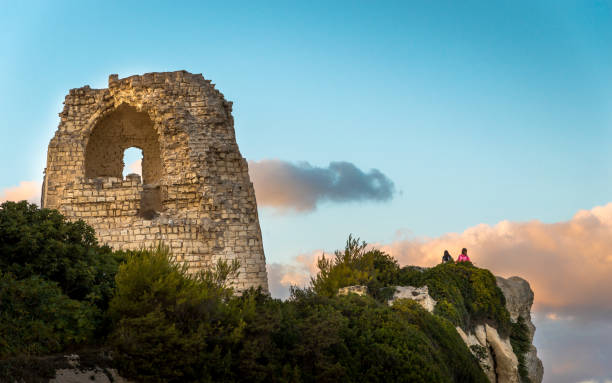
(41, 242)
(519, 338)
(315, 338)
(37, 318)
(56, 281)
(466, 295)
(171, 326)
(355, 266)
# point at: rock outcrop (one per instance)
(76, 375)
(519, 298)
(477, 343)
(494, 353)
(418, 294)
(359, 290)
(88, 366)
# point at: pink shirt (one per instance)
(463, 258)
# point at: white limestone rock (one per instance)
(418, 294)
(358, 289)
(506, 362)
(477, 343)
(519, 299)
(76, 375)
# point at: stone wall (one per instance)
(195, 194)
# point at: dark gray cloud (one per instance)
(300, 187)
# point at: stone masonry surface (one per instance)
(195, 194)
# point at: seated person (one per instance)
(447, 257)
(463, 257)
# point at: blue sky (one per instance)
(478, 111)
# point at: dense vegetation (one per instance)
(55, 281)
(466, 295)
(60, 290)
(173, 327)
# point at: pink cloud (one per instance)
(568, 264)
(26, 190)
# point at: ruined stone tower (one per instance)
(195, 194)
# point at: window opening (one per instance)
(132, 161)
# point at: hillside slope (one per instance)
(142, 315)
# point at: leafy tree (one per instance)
(37, 318)
(41, 242)
(356, 265)
(172, 326)
(316, 338)
(55, 281)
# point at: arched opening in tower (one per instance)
(125, 142)
(121, 129)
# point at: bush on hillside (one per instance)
(171, 326)
(466, 295)
(316, 338)
(37, 318)
(356, 266)
(521, 344)
(55, 281)
(168, 326)
(41, 242)
(174, 327)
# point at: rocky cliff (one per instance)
(495, 353)
(519, 298)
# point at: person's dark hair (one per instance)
(464, 251)
(446, 253)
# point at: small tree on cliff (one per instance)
(356, 265)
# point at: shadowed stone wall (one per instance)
(195, 194)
